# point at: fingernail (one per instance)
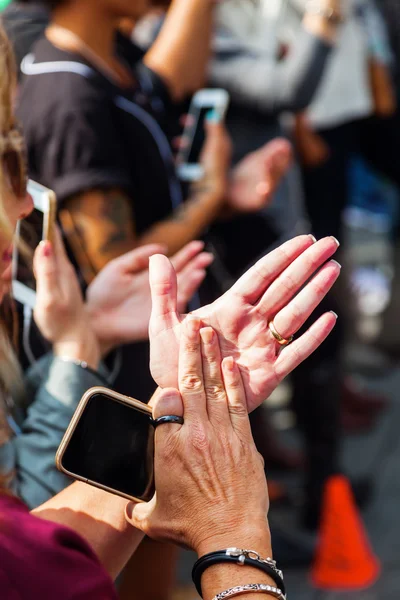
(194, 325)
(46, 248)
(207, 335)
(334, 314)
(336, 263)
(335, 240)
(213, 117)
(314, 239)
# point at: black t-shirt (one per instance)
(84, 132)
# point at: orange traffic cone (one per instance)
(344, 558)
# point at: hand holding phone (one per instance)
(38, 226)
(204, 102)
(110, 444)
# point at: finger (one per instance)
(186, 254)
(46, 273)
(167, 402)
(187, 120)
(251, 286)
(278, 156)
(293, 316)
(216, 400)
(190, 372)
(138, 259)
(296, 275)
(163, 286)
(180, 143)
(237, 404)
(59, 247)
(191, 277)
(279, 159)
(305, 345)
(188, 286)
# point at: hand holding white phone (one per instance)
(204, 101)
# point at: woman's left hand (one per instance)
(60, 311)
(205, 468)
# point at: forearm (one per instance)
(99, 517)
(105, 228)
(181, 52)
(186, 223)
(221, 577)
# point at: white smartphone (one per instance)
(29, 233)
(204, 101)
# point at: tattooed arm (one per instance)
(99, 224)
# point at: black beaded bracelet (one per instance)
(237, 556)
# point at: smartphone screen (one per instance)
(113, 444)
(30, 234)
(198, 135)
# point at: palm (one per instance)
(256, 177)
(119, 298)
(241, 334)
(120, 305)
(241, 316)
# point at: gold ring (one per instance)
(280, 339)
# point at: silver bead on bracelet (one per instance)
(238, 590)
(240, 553)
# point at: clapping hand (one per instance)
(118, 301)
(275, 288)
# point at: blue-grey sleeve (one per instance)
(377, 34)
(257, 80)
(48, 416)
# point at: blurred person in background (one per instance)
(24, 24)
(268, 79)
(390, 10)
(353, 112)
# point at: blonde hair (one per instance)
(10, 373)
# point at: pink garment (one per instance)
(41, 560)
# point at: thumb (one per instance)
(163, 285)
(138, 259)
(138, 515)
(279, 157)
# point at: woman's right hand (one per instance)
(210, 481)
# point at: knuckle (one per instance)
(215, 391)
(238, 410)
(191, 382)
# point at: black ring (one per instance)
(167, 419)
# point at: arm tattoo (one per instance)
(116, 211)
(105, 224)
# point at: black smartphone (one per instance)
(110, 444)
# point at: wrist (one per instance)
(84, 348)
(255, 537)
(210, 191)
